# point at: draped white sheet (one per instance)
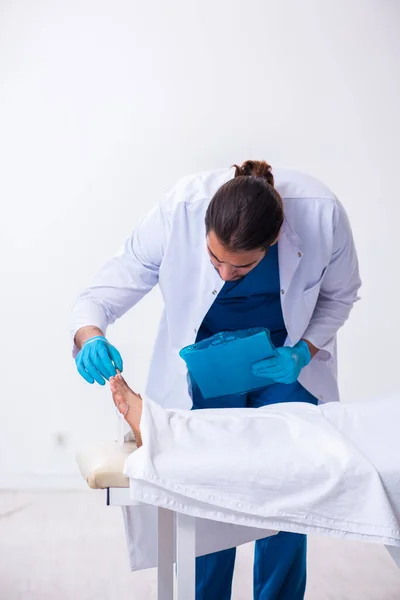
(332, 469)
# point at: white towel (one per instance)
(293, 467)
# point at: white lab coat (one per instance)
(318, 275)
(319, 282)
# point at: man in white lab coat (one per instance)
(233, 249)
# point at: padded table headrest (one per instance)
(102, 464)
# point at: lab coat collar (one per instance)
(289, 254)
(288, 231)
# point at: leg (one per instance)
(214, 572)
(280, 560)
(280, 567)
(165, 571)
(186, 556)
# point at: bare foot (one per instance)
(128, 403)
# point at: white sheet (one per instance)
(332, 469)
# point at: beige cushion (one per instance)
(102, 464)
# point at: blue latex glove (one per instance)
(98, 360)
(285, 367)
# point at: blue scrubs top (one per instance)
(253, 301)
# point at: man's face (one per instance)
(232, 266)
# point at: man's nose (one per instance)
(226, 272)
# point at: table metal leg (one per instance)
(186, 556)
(166, 542)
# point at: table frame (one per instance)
(176, 537)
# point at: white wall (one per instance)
(105, 104)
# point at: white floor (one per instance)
(70, 546)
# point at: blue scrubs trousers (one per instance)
(279, 560)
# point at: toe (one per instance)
(123, 408)
(118, 399)
(123, 385)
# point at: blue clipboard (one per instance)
(221, 365)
